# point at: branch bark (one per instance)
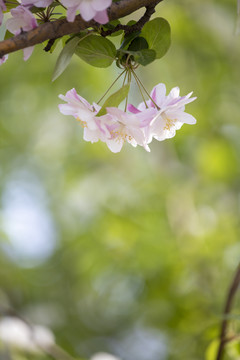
(59, 28)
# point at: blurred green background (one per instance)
(128, 253)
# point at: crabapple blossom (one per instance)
(114, 128)
(22, 20)
(170, 112)
(127, 127)
(157, 118)
(2, 8)
(37, 3)
(85, 113)
(89, 9)
(3, 59)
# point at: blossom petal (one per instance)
(3, 59)
(115, 145)
(158, 93)
(133, 109)
(27, 52)
(101, 17)
(100, 5)
(186, 118)
(87, 11)
(174, 93)
(71, 13)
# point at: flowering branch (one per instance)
(61, 27)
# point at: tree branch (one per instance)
(59, 28)
(228, 306)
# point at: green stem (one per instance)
(129, 81)
(146, 90)
(139, 88)
(61, 4)
(124, 80)
(111, 86)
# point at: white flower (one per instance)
(126, 127)
(85, 113)
(22, 20)
(89, 9)
(170, 113)
(157, 118)
(37, 3)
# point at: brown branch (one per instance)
(227, 309)
(150, 10)
(59, 28)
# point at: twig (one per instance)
(150, 10)
(49, 45)
(227, 309)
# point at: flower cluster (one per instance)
(23, 20)
(157, 118)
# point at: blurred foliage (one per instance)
(130, 253)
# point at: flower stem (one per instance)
(61, 4)
(136, 77)
(138, 84)
(111, 86)
(129, 81)
(124, 80)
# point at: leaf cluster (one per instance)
(140, 47)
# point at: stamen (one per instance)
(169, 124)
(82, 123)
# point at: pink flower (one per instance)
(89, 9)
(115, 128)
(127, 127)
(170, 113)
(37, 3)
(22, 20)
(77, 106)
(3, 59)
(159, 118)
(2, 8)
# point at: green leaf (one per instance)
(35, 9)
(111, 25)
(145, 56)
(139, 43)
(128, 39)
(11, 5)
(8, 35)
(157, 32)
(115, 99)
(65, 56)
(96, 51)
